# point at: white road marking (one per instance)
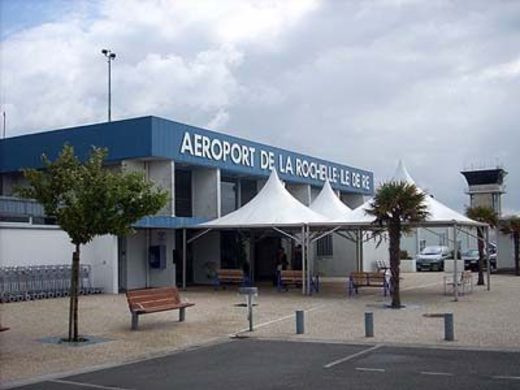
(436, 373)
(515, 378)
(350, 357)
(255, 326)
(81, 384)
(420, 286)
(370, 369)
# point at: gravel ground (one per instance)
(483, 319)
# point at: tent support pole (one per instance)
(199, 235)
(285, 234)
(309, 261)
(488, 265)
(252, 255)
(455, 258)
(358, 252)
(304, 255)
(184, 259)
(325, 234)
(361, 260)
(347, 236)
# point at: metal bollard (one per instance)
(448, 327)
(300, 322)
(369, 324)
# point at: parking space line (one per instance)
(434, 373)
(350, 357)
(370, 369)
(515, 378)
(261, 325)
(82, 384)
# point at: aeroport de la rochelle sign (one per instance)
(257, 158)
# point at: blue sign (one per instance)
(203, 147)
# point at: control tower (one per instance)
(485, 187)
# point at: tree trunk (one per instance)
(74, 290)
(516, 243)
(480, 237)
(394, 231)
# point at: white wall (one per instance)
(343, 261)
(372, 252)
(137, 260)
(302, 192)
(162, 173)
(205, 192)
(505, 251)
(48, 245)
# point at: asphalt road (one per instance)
(259, 364)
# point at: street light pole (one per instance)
(110, 57)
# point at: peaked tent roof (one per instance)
(439, 213)
(272, 206)
(328, 204)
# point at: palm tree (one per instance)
(485, 215)
(511, 225)
(396, 205)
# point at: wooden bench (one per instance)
(153, 300)
(229, 276)
(465, 283)
(289, 277)
(367, 279)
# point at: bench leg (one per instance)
(182, 314)
(135, 321)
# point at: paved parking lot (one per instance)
(483, 320)
(268, 364)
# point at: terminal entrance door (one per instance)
(265, 258)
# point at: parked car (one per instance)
(432, 258)
(471, 258)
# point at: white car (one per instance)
(432, 258)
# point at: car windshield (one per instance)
(431, 250)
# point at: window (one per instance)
(183, 193)
(248, 191)
(324, 246)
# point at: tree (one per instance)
(89, 200)
(485, 215)
(511, 225)
(395, 206)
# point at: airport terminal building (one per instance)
(208, 175)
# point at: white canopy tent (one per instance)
(328, 204)
(275, 208)
(272, 208)
(440, 216)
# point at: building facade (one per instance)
(207, 174)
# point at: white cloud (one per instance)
(363, 83)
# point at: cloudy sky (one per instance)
(364, 83)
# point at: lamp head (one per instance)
(104, 51)
(112, 55)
